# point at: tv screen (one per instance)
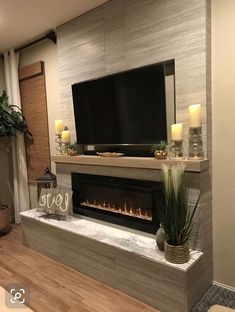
(124, 108)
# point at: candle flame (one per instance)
(126, 209)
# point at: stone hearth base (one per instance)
(124, 260)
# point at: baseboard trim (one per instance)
(224, 286)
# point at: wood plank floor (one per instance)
(55, 287)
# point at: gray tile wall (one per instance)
(124, 34)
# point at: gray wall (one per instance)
(124, 34)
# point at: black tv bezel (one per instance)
(141, 150)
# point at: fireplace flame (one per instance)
(126, 209)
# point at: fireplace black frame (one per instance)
(153, 187)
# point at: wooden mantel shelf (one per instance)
(131, 162)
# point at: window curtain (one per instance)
(20, 180)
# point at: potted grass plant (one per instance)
(176, 217)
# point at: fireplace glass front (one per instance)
(127, 202)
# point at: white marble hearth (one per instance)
(135, 243)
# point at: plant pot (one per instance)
(5, 218)
(160, 238)
(71, 152)
(160, 154)
(176, 254)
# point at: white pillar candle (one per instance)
(59, 126)
(194, 116)
(66, 137)
(177, 132)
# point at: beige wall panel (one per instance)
(223, 77)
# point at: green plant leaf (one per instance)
(11, 119)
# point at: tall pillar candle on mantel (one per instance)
(195, 131)
(66, 137)
(177, 137)
(59, 127)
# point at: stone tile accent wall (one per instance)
(125, 34)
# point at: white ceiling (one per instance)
(23, 20)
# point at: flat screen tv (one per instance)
(126, 109)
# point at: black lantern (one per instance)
(47, 180)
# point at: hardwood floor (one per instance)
(55, 287)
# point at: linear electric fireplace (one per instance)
(127, 202)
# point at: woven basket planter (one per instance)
(176, 254)
(5, 218)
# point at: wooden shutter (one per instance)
(34, 106)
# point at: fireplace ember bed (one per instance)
(127, 202)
